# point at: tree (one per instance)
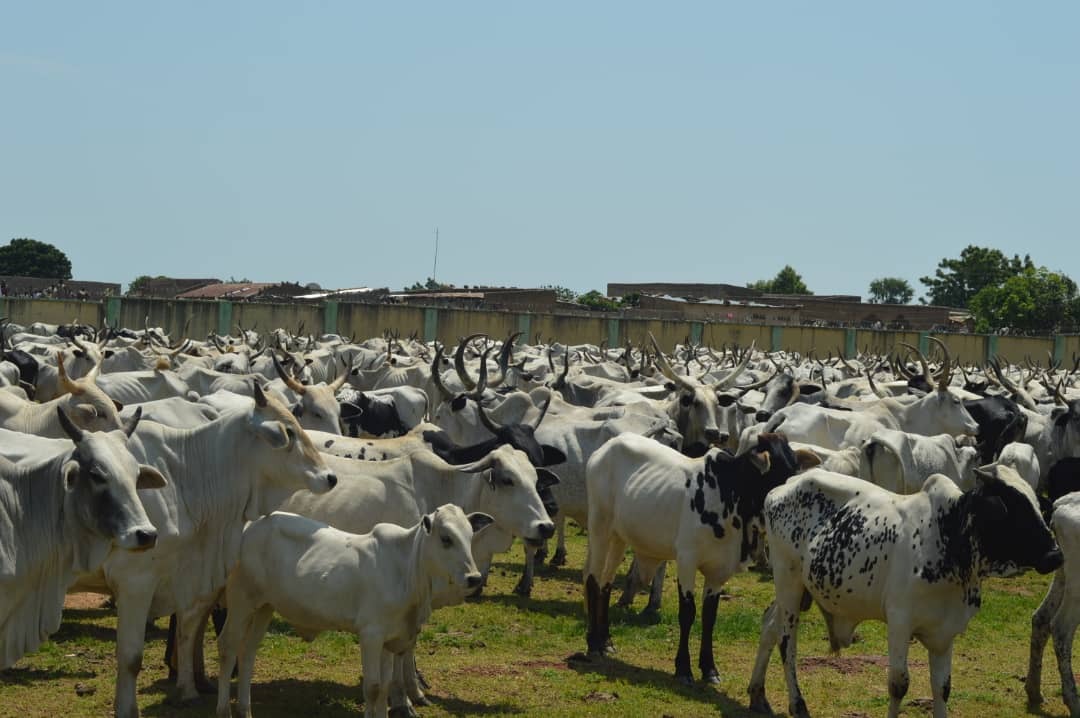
(890, 290)
(31, 258)
(563, 294)
(956, 281)
(430, 286)
(596, 301)
(786, 281)
(1034, 301)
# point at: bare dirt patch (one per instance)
(847, 665)
(84, 601)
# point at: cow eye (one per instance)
(506, 481)
(446, 542)
(96, 477)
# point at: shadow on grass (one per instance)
(461, 707)
(615, 669)
(547, 606)
(28, 676)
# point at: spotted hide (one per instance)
(915, 562)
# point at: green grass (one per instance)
(503, 655)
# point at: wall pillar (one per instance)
(330, 314)
(112, 311)
(850, 345)
(613, 332)
(431, 324)
(524, 325)
(1059, 348)
(991, 347)
(776, 338)
(924, 342)
(224, 317)
(697, 329)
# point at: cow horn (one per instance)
(340, 379)
(795, 392)
(289, 381)
(922, 362)
(729, 380)
(129, 424)
(74, 433)
(66, 383)
(560, 382)
(436, 375)
(486, 420)
(873, 387)
(482, 381)
(946, 365)
(459, 362)
(505, 354)
(666, 369)
(543, 411)
(759, 384)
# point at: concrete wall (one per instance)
(448, 325)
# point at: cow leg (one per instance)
(170, 649)
(559, 557)
(400, 705)
(656, 593)
(687, 614)
(899, 639)
(940, 679)
(756, 689)
(524, 586)
(189, 654)
(377, 669)
(132, 607)
(1063, 628)
(414, 682)
(1040, 633)
(258, 623)
(789, 598)
(634, 584)
(230, 644)
(709, 605)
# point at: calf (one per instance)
(377, 585)
(704, 513)
(915, 562)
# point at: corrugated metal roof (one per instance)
(238, 290)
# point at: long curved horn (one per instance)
(947, 368)
(758, 384)
(74, 433)
(665, 367)
(459, 362)
(482, 380)
(560, 382)
(505, 355)
(289, 381)
(65, 381)
(844, 361)
(543, 411)
(486, 420)
(130, 424)
(922, 362)
(436, 374)
(730, 378)
(340, 379)
(795, 393)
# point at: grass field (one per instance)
(503, 655)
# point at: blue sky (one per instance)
(569, 143)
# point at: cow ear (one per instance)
(297, 409)
(992, 508)
(150, 478)
(747, 409)
(109, 353)
(458, 402)
(479, 521)
(686, 399)
(79, 354)
(1060, 417)
(118, 405)
(426, 522)
(807, 459)
(552, 455)
(70, 472)
(545, 479)
(274, 433)
(761, 461)
(670, 385)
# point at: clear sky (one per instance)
(554, 143)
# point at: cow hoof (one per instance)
(420, 700)
(523, 589)
(403, 712)
(540, 557)
(559, 559)
(684, 679)
(205, 687)
(711, 677)
(1034, 700)
(758, 704)
(422, 681)
(475, 594)
(650, 614)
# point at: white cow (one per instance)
(85, 404)
(900, 462)
(60, 515)
(915, 562)
(220, 474)
(376, 585)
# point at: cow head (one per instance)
(512, 496)
(447, 548)
(1065, 434)
(317, 408)
(946, 411)
(781, 391)
(101, 479)
(290, 460)
(1009, 527)
(85, 404)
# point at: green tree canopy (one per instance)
(430, 285)
(31, 258)
(890, 290)
(563, 294)
(956, 281)
(786, 281)
(1035, 300)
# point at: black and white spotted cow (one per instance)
(382, 413)
(915, 562)
(704, 513)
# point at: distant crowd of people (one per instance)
(57, 290)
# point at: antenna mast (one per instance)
(435, 266)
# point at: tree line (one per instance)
(1001, 292)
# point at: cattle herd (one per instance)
(358, 486)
